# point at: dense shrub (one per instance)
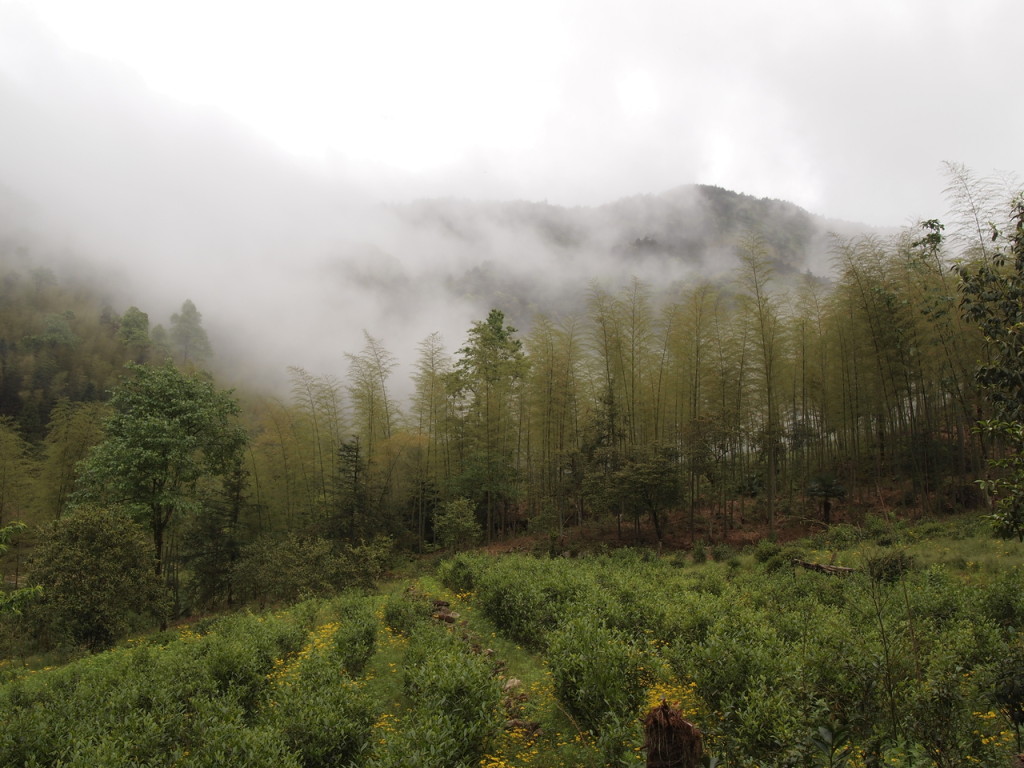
(356, 637)
(325, 719)
(96, 569)
(459, 573)
(272, 570)
(599, 674)
(454, 705)
(406, 611)
(192, 699)
(455, 524)
(889, 566)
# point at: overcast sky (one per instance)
(847, 109)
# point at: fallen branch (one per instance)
(836, 570)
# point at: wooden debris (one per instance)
(833, 570)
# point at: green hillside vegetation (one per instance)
(913, 659)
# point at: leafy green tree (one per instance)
(374, 411)
(160, 344)
(316, 427)
(455, 526)
(170, 435)
(648, 481)
(98, 580)
(429, 426)
(553, 395)
(212, 541)
(351, 494)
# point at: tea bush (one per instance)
(775, 654)
(600, 675)
(251, 690)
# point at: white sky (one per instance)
(848, 108)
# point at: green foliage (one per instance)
(647, 481)
(484, 388)
(774, 655)
(721, 552)
(271, 570)
(73, 430)
(599, 673)
(456, 704)
(889, 566)
(1008, 486)
(98, 580)
(699, 552)
(460, 573)
(14, 470)
(1008, 689)
(455, 526)
(133, 332)
(14, 602)
(169, 433)
(992, 297)
(355, 640)
(406, 612)
(325, 720)
(250, 690)
(766, 549)
(527, 598)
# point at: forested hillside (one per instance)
(759, 399)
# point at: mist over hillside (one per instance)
(154, 202)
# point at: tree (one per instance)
(189, 343)
(317, 433)
(992, 297)
(487, 381)
(647, 481)
(373, 410)
(14, 469)
(764, 317)
(13, 602)
(134, 333)
(97, 577)
(169, 434)
(455, 525)
(429, 422)
(74, 428)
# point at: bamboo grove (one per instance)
(735, 402)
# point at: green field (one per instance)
(914, 660)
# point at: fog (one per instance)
(290, 260)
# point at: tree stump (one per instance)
(671, 741)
